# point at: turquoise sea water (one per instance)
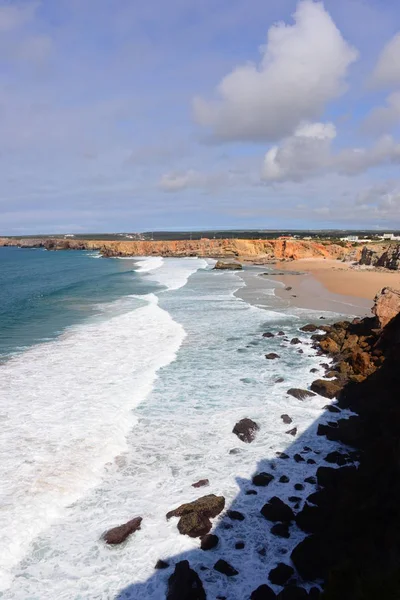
(42, 293)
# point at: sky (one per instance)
(124, 115)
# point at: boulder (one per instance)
(292, 592)
(239, 545)
(272, 356)
(195, 516)
(201, 483)
(327, 389)
(292, 432)
(386, 305)
(284, 479)
(276, 510)
(300, 394)
(209, 541)
(235, 515)
(246, 430)
(309, 328)
(281, 530)
(262, 479)
(225, 568)
(263, 592)
(268, 334)
(231, 266)
(161, 564)
(286, 419)
(119, 534)
(185, 584)
(295, 341)
(281, 574)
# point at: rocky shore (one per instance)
(352, 520)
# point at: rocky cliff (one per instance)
(353, 520)
(386, 256)
(258, 250)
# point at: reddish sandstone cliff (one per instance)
(258, 250)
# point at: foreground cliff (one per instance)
(354, 518)
(259, 250)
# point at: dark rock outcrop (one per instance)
(201, 483)
(209, 541)
(277, 510)
(225, 568)
(185, 584)
(263, 592)
(300, 394)
(246, 430)
(281, 574)
(272, 356)
(262, 479)
(286, 419)
(119, 534)
(195, 516)
(225, 265)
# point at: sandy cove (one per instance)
(332, 281)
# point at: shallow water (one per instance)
(119, 415)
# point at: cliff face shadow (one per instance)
(248, 541)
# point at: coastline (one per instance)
(305, 292)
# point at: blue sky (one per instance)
(180, 114)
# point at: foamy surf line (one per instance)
(66, 409)
(173, 273)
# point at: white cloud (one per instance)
(387, 70)
(303, 67)
(384, 118)
(177, 182)
(309, 152)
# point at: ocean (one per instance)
(121, 381)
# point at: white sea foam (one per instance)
(65, 409)
(174, 273)
(148, 263)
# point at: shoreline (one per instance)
(305, 292)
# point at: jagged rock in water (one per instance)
(300, 394)
(272, 356)
(161, 564)
(263, 592)
(209, 541)
(117, 535)
(225, 568)
(292, 432)
(309, 328)
(281, 574)
(281, 530)
(246, 430)
(327, 389)
(185, 584)
(235, 515)
(277, 510)
(231, 266)
(292, 592)
(286, 419)
(195, 516)
(201, 483)
(262, 479)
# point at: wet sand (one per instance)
(306, 291)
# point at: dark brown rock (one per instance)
(277, 510)
(295, 341)
(263, 592)
(309, 328)
(300, 394)
(195, 516)
(119, 534)
(185, 584)
(327, 389)
(281, 530)
(194, 524)
(272, 356)
(246, 430)
(284, 479)
(225, 568)
(201, 483)
(281, 574)
(161, 564)
(209, 541)
(235, 515)
(262, 479)
(239, 545)
(268, 335)
(292, 432)
(286, 419)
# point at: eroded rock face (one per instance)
(119, 534)
(276, 510)
(246, 430)
(185, 584)
(327, 389)
(386, 305)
